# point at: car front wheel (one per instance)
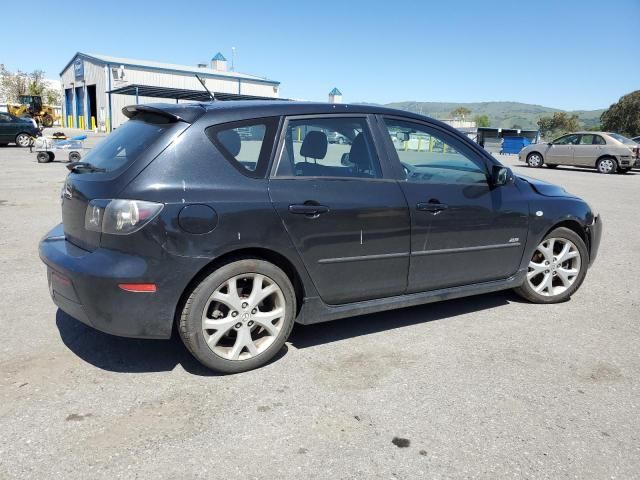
(239, 316)
(556, 269)
(534, 160)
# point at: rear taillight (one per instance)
(119, 217)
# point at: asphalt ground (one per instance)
(481, 387)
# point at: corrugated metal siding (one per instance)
(94, 74)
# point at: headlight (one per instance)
(119, 217)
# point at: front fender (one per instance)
(546, 213)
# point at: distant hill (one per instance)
(501, 114)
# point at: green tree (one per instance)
(14, 84)
(460, 112)
(482, 121)
(558, 124)
(624, 116)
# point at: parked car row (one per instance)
(607, 152)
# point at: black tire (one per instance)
(47, 121)
(74, 157)
(43, 157)
(535, 160)
(190, 320)
(607, 165)
(551, 165)
(23, 140)
(527, 292)
(52, 156)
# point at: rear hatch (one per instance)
(114, 162)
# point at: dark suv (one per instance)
(233, 220)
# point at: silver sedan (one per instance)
(607, 152)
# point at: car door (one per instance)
(6, 128)
(585, 152)
(561, 150)
(347, 218)
(463, 230)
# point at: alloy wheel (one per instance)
(23, 140)
(554, 267)
(243, 316)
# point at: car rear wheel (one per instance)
(607, 165)
(534, 160)
(74, 157)
(556, 269)
(23, 140)
(239, 316)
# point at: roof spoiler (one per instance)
(186, 113)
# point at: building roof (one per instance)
(167, 67)
(335, 91)
(219, 57)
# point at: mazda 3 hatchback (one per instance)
(233, 220)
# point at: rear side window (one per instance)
(125, 144)
(598, 140)
(329, 147)
(247, 144)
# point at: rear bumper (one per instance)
(595, 235)
(85, 285)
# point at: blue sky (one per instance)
(565, 54)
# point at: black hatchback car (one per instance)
(233, 220)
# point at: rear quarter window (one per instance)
(247, 144)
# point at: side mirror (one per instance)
(550, 144)
(500, 175)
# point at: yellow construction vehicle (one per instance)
(31, 106)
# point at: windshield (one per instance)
(124, 145)
(621, 139)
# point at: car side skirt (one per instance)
(314, 310)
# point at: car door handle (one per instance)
(433, 207)
(306, 209)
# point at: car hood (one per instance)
(545, 188)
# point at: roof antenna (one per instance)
(213, 99)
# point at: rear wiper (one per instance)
(79, 167)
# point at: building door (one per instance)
(68, 105)
(79, 106)
(92, 108)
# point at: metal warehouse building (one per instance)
(96, 87)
